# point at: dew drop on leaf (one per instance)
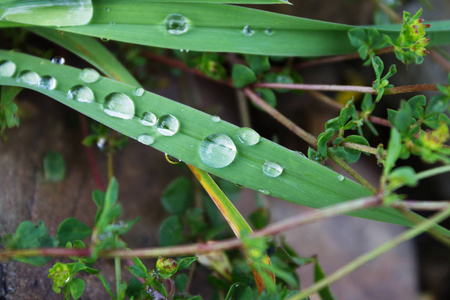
(248, 136)
(272, 169)
(176, 24)
(89, 75)
(265, 192)
(269, 31)
(215, 119)
(148, 119)
(139, 91)
(217, 150)
(47, 82)
(248, 30)
(146, 139)
(168, 125)
(29, 77)
(340, 177)
(58, 60)
(81, 93)
(119, 105)
(7, 68)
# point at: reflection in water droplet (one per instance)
(139, 91)
(269, 31)
(29, 77)
(146, 139)
(340, 177)
(47, 82)
(167, 125)
(217, 150)
(58, 60)
(148, 119)
(176, 24)
(107, 9)
(272, 169)
(89, 75)
(101, 143)
(172, 160)
(119, 105)
(215, 119)
(248, 136)
(81, 93)
(265, 192)
(7, 68)
(184, 50)
(248, 30)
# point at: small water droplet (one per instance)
(101, 143)
(119, 105)
(58, 60)
(340, 177)
(272, 169)
(217, 150)
(248, 136)
(301, 154)
(176, 24)
(248, 30)
(7, 68)
(146, 139)
(29, 77)
(167, 125)
(139, 91)
(184, 50)
(107, 9)
(215, 119)
(265, 192)
(172, 160)
(89, 75)
(148, 119)
(47, 82)
(81, 93)
(104, 39)
(268, 31)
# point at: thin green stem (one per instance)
(117, 267)
(110, 166)
(407, 235)
(421, 205)
(360, 147)
(432, 172)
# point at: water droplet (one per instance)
(176, 24)
(107, 9)
(101, 143)
(104, 39)
(248, 136)
(119, 105)
(81, 93)
(47, 82)
(301, 154)
(248, 30)
(58, 60)
(7, 68)
(167, 125)
(148, 119)
(172, 160)
(139, 91)
(265, 192)
(89, 75)
(146, 139)
(217, 150)
(29, 77)
(184, 50)
(269, 31)
(340, 177)
(215, 119)
(272, 169)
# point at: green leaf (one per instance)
(195, 221)
(357, 37)
(239, 291)
(136, 271)
(402, 176)
(393, 151)
(367, 105)
(178, 196)
(106, 285)
(258, 63)
(322, 140)
(110, 209)
(134, 288)
(181, 282)
(267, 95)
(138, 263)
(70, 230)
(417, 103)
(438, 104)
(77, 286)
(404, 118)
(325, 293)
(171, 232)
(378, 67)
(54, 166)
(242, 76)
(185, 262)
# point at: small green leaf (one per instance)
(258, 63)
(393, 151)
(77, 286)
(178, 196)
(402, 176)
(70, 230)
(378, 67)
(136, 271)
(404, 118)
(438, 104)
(242, 76)
(325, 293)
(322, 140)
(138, 263)
(239, 291)
(357, 36)
(195, 221)
(171, 232)
(417, 103)
(185, 262)
(54, 166)
(106, 285)
(181, 282)
(267, 95)
(134, 288)
(367, 105)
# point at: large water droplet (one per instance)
(167, 125)
(47, 82)
(58, 60)
(217, 150)
(89, 75)
(248, 30)
(248, 136)
(148, 119)
(176, 24)
(340, 177)
(81, 93)
(119, 105)
(29, 77)
(146, 139)
(139, 91)
(269, 31)
(7, 68)
(215, 119)
(272, 169)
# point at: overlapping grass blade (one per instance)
(225, 1)
(302, 181)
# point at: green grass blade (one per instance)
(302, 180)
(224, 1)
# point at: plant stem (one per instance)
(409, 234)
(117, 268)
(432, 172)
(421, 205)
(360, 147)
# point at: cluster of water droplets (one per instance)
(249, 31)
(28, 77)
